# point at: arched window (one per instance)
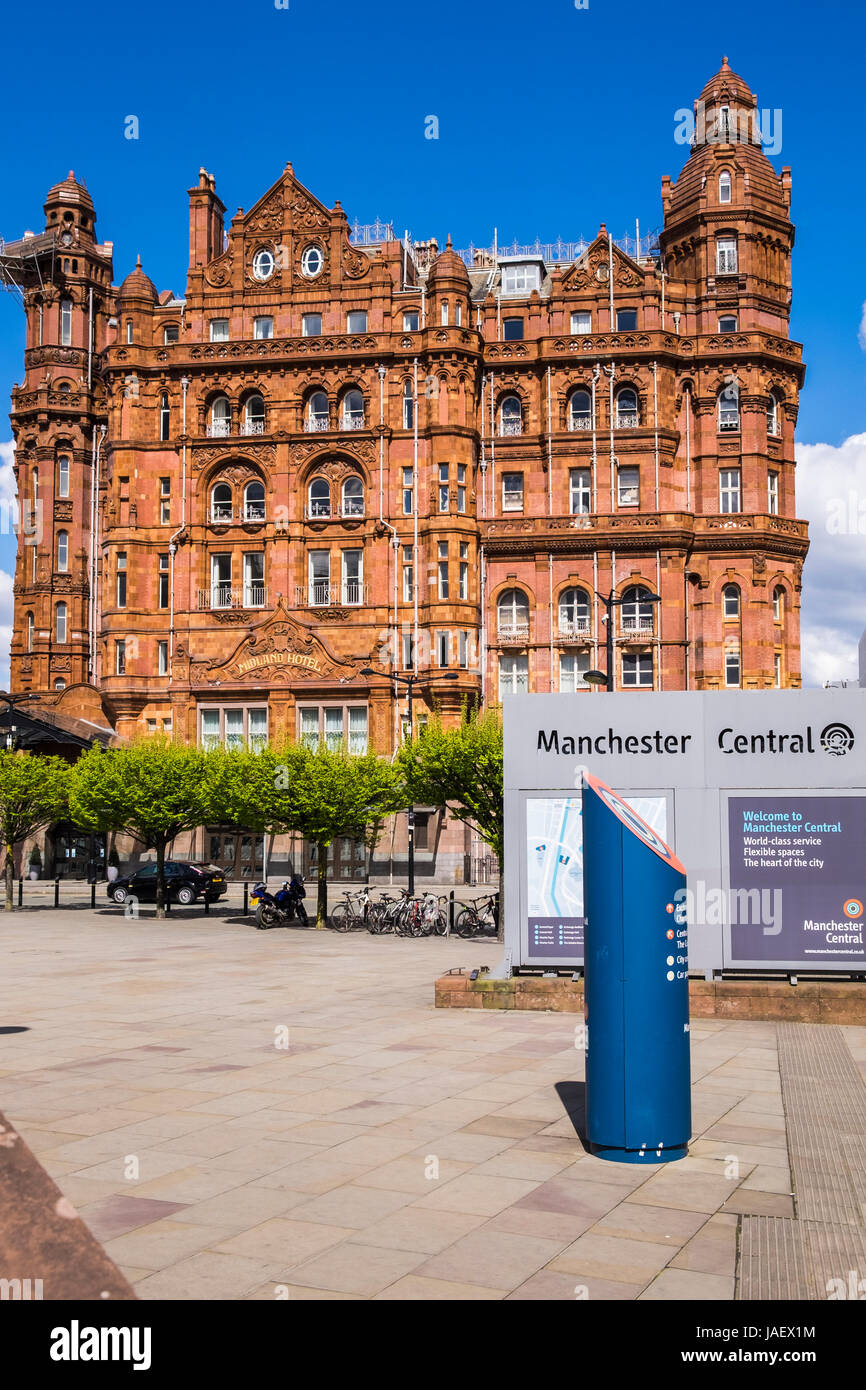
(62, 551)
(63, 476)
(65, 322)
(511, 416)
(221, 502)
(353, 497)
(29, 632)
(59, 684)
(60, 623)
(773, 415)
(627, 416)
(320, 497)
(443, 313)
(778, 604)
(63, 387)
(318, 413)
(731, 601)
(580, 410)
(729, 407)
(353, 411)
(408, 405)
(254, 415)
(724, 186)
(254, 502)
(220, 417)
(164, 417)
(512, 613)
(637, 609)
(574, 612)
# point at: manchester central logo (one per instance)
(837, 739)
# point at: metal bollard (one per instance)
(93, 893)
(21, 890)
(246, 897)
(207, 906)
(450, 912)
(57, 892)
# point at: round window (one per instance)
(263, 264)
(312, 261)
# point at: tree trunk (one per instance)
(10, 877)
(322, 900)
(160, 878)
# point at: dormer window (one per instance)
(520, 279)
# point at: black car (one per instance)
(184, 883)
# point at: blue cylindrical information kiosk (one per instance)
(638, 1102)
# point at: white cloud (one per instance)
(861, 334)
(8, 490)
(831, 495)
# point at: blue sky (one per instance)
(552, 119)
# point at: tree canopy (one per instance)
(33, 793)
(460, 768)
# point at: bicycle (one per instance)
(352, 913)
(480, 917)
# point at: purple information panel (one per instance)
(797, 879)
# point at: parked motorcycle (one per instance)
(280, 908)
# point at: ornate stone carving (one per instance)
(219, 271)
(355, 263)
(259, 453)
(282, 650)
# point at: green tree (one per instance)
(33, 792)
(151, 788)
(460, 768)
(321, 793)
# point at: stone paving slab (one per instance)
(377, 1149)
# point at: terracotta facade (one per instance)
(327, 454)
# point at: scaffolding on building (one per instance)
(21, 262)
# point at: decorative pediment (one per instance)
(592, 270)
(280, 651)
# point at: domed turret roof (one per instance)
(137, 285)
(728, 85)
(449, 266)
(70, 191)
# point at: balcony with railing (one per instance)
(636, 624)
(627, 419)
(352, 420)
(352, 593)
(222, 596)
(580, 422)
(512, 630)
(223, 429)
(511, 426)
(317, 424)
(573, 628)
(225, 514)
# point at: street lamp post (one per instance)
(409, 681)
(611, 601)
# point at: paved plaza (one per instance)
(240, 1114)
